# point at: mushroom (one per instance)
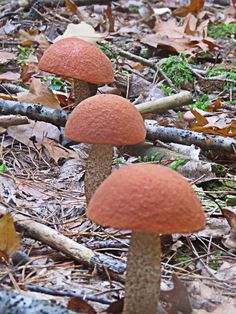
(80, 60)
(103, 120)
(149, 200)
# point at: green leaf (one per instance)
(3, 167)
(174, 165)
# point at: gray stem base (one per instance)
(142, 283)
(98, 168)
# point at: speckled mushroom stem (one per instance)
(142, 283)
(98, 168)
(83, 90)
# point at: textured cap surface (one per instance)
(105, 119)
(78, 59)
(147, 198)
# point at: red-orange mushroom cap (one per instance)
(78, 59)
(147, 198)
(105, 119)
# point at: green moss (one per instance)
(229, 74)
(201, 103)
(221, 31)
(176, 68)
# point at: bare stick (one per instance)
(205, 141)
(163, 104)
(64, 244)
(6, 121)
(34, 111)
(59, 117)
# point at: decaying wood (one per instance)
(6, 121)
(64, 244)
(12, 302)
(185, 137)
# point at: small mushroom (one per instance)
(104, 121)
(149, 200)
(80, 60)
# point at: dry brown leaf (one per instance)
(169, 28)
(33, 134)
(79, 305)
(216, 105)
(39, 93)
(177, 299)
(194, 7)
(71, 6)
(190, 25)
(9, 239)
(28, 39)
(5, 56)
(9, 76)
(201, 120)
(57, 151)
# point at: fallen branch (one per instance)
(9, 88)
(64, 244)
(34, 112)
(204, 141)
(163, 104)
(154, 132)
(12, 302)
(59, 117)
(6, 121)
(61, 293)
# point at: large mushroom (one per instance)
(104, 121)
(149, 200)
(77, 59)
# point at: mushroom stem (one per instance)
(98, 168)
(142, 283)
(83, 90)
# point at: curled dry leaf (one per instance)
(9, 239)
(194, 7)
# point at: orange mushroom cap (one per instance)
(147, 198)
(78, 59)
(105, 119)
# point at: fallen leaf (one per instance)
(9, 239)
(116, 307)
(82, 30)
(79, 305)
(5, 57)
(57, 151)
(39, 93)
(9, 76)
(177, 299)
(194, 7)
(71, 6)
(190, 24)
(33, 134)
